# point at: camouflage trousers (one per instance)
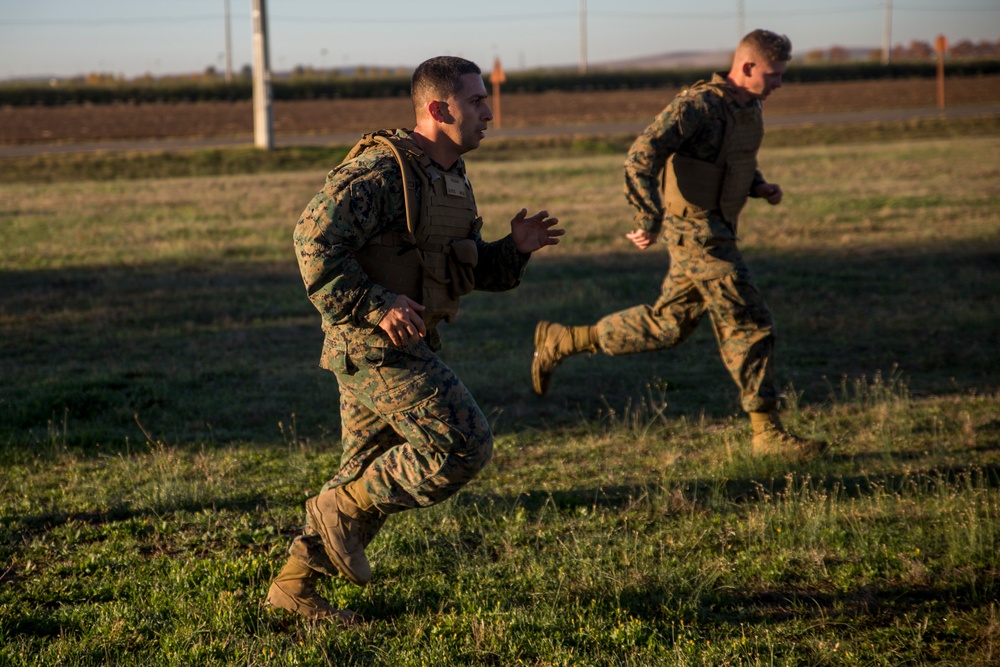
(411, 431)
(705, 277)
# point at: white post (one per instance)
(262, 132)
(229, 48)
(583, 36)
(887, 33)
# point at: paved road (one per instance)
(772, 120)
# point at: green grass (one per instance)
(628, 542)
(162, 420)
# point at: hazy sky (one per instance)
(134, 37)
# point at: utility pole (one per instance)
(887, 33)
(229, 48)
(583, 36)
(262, 130)
(741, 23)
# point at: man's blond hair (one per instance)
(769, 45)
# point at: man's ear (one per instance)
(747, 69)
(439, 111)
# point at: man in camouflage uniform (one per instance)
(382, 249)
(702, 150)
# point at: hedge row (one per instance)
(316, 87)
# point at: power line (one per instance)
(107, 22)
(566, 15)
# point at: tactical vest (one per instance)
(693, 187)
(433, 261)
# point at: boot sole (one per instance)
(314, 519)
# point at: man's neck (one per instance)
(739, 92)
(435, 150)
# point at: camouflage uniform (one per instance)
(707, 271)
(411, 431)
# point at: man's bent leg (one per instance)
(643, 328)
(445, 439)
(745, 332)
(342, 519)
(665, 324)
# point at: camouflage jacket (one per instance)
(694, 125)
(361, 198)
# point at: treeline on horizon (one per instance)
(328, 85)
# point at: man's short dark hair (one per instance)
(439, 78)
(770, 45)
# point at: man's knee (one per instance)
(477, 450)
(461, 436)
(459, 467)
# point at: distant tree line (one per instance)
(916, 51)
(306, 84)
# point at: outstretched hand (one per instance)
(534, 233)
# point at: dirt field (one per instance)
(216, 119)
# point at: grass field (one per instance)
(162, 420)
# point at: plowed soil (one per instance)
(25, 125)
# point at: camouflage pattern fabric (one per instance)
(713, 280)
(707, 271)
(693, 125)
(410, 428)
(362, 198)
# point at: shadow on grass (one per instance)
(697, 495)
(37, 523)
(873, 602)
(871, 606)
(229, 352)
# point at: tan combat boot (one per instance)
(346, 522)
(553, 343)
(294, 590)
(771, 439)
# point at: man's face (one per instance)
(764, 78)
(470, 113)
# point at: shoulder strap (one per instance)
(412, 214)
(397, 145)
